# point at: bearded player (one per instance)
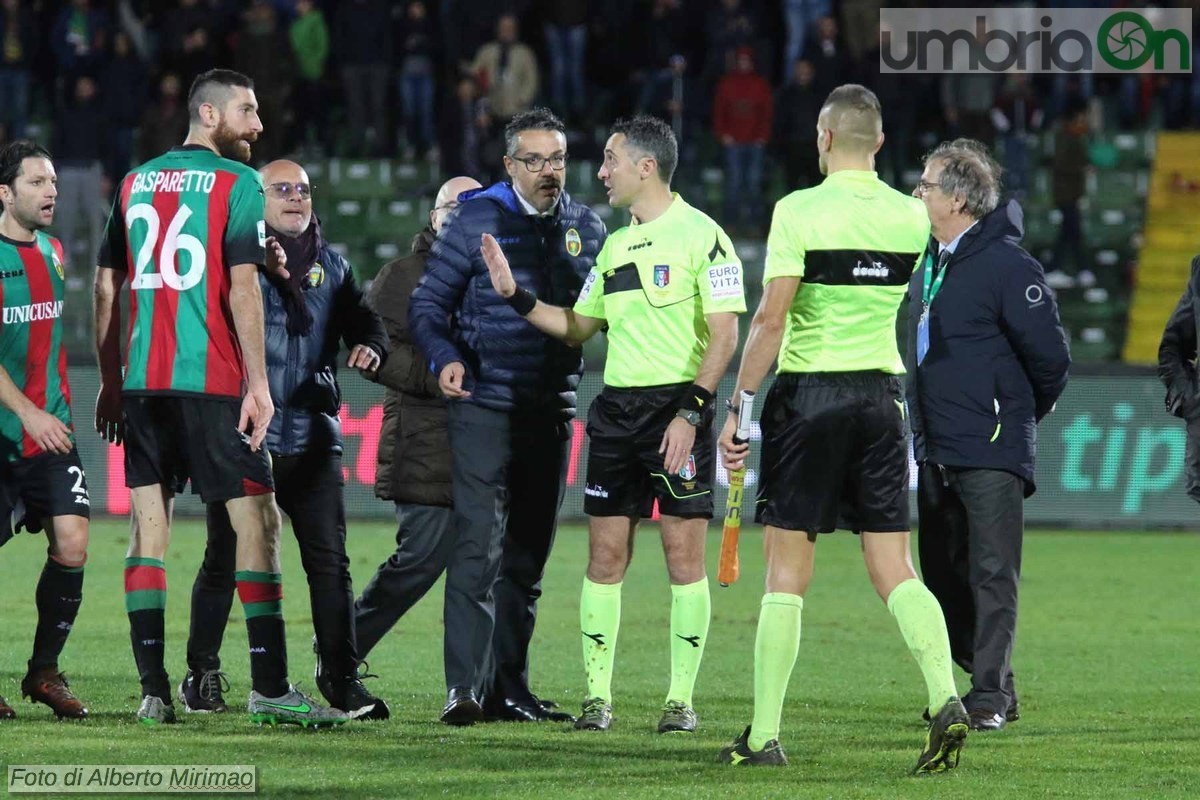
(187, 231)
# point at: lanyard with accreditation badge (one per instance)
(929, 289)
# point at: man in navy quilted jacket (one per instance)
(512, 393)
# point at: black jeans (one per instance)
(308, 488)
(509, 477)
(971, 530)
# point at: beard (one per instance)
(232, 145)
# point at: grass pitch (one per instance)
(1106, 671)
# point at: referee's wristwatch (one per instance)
(691, 417)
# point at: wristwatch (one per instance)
(691, 417)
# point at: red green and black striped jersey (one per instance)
(31, 347)
(178, 223)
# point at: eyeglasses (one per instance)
(925, 186)
(284, 190)
(535, 163)
(447, 207)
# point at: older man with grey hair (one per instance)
(987, 359)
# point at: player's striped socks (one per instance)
(146, 603)
(261, 594)
(691, 610)
(59, 592)
(775, 649)
(599, 620)
(924, 629)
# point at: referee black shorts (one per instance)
(834, 453)
(171, 439)
(625, 470)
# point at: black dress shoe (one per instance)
(462, 707)
(516, 711)
(552, 709)
(983, 720)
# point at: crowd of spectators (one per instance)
(739, 80)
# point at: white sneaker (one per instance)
(154, 711)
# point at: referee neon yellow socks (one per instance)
(775, 650)
(924, 629)
(691, 611)
(599, 620)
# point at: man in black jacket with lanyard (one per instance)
(512, 391)
(306, 312)
(1177, 371)
(987, 360)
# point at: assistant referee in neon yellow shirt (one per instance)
(839, 257)
(669, 288)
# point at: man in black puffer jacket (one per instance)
(512, 392)
(305, 315)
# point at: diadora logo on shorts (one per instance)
(689, 469)
(592, 490)
(872, 269)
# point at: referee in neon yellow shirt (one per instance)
(669, 288)
(839, 257)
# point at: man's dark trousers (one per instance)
(969, 544)
(308, 488)
(424, 546)
(509, 477)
